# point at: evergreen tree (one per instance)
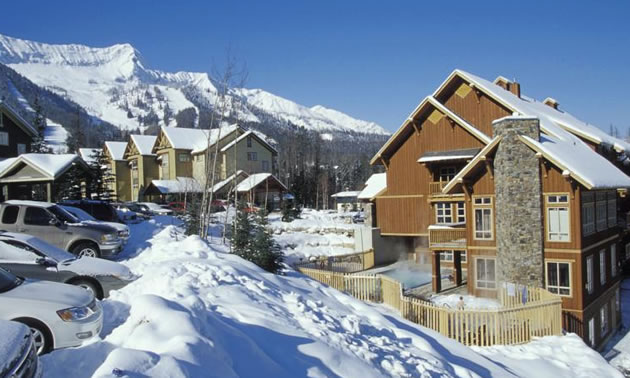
(242, 231)
(191, 216)
(38, 145)
(69, 185)
(100, 184)
(76, 137)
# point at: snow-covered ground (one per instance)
(197, 311)
(317, 233)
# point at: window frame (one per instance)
(183, 157)
(589, 275)
(558, 287)
(482, 203)
(613, 261)
(447, 256)
(588, 208)
(461, 218)
(477, 280)
(446, 210)
(4, 134)
(556, 202)
(603, 318)
(252, 156)
(446, 174)
(611, 211)
(601, 208)
(591, 331)
(602, 267)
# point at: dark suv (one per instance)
(100, 210)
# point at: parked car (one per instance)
(177, 207)
(100, 210)
(58, 315)
(139, 209)
(30, 257)
(84, 217)
(18, 356)
(58, 227)
(156, 209)
(359, 217)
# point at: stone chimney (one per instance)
(551, 102)
(518, 204)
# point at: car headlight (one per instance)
(109, 238)
(74, 313)
(123, 233)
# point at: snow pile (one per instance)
(618, 348)
(197, 311)
(316, 234)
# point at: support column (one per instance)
(436, 279)
(49, 191)
(457, 263)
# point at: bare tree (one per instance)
(231, 76)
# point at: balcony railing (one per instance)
(447, 237)
(436, 187)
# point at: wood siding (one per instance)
(16, 136)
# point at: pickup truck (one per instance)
(58, 227)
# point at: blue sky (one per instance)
(374, 60)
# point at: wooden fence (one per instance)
(526, 313)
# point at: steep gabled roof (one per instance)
(116, 149)
(549, 117)
(143, 143)
(256, 179)
(194, 140)
(18, 119)
(252, 134)
(50, 166)
(374, 186)
(470, 167)
(406, 128)
(88, 154)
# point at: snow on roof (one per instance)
(23, 122)
(48, 164)
(195, 140)
(116, 149)
(144, 143)
(373, 186)
(179, 185)
(218, 186)
(254, 180)
(88, 154)
(432, 156)
(245, 135)
(346, 194)
(28, 203)
(549, 117)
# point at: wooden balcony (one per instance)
(435, 188)
(444, 237)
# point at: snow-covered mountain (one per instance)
(116, 85)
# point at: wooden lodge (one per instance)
(501, 189)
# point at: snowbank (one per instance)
(197, 311)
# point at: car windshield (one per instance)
(8, 281)
(79, 213)
(50, 250)
(62, 214)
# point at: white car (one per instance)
(30, 257)
(58, 315)
(156, 209)
(83, 217)
(18, 357)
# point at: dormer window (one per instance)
(249, 141)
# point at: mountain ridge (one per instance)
(116, 84)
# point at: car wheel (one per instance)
(41, 335)
(86, 249)
(89, 286)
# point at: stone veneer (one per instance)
(518, 206)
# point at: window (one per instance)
(464, 256)
(602, 266)
(164, 165)
(265, 165)
(482, 209)
(601, 211)
(558, 218)
(37, 216)
(446, 256)
(591, 331)
(589, 274)
(603, 313)
(613, 260)
(485, 274)
(447, 173)
(559, 278)
(4, 138)
(588, 214)
(15, 251)
(612, 210)
(21, 148)
(443, 213)
(252, 156)
(461, 212)
(183, 158)
(10, 214)
(249, 141)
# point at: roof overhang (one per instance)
(481, 156)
